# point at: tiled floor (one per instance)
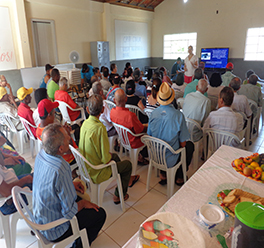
(120, 227)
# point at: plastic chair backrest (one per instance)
(27, 126)
(216, 138)
(123, 135)
(192, 125)
(135, 109)
(63, 109)
(157, 150)
(148, 111)
(110, 104)
(180, 102)
(178, 94)
(6, 119)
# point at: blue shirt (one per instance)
(176, 67)
(191, 87)
(140, 90)
(169, 125)
(53, 193)
(88, 74)
(42, 82)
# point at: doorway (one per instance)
(44, 39)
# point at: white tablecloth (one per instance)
(215, 175)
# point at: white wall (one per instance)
(226, 29)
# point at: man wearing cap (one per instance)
(53, 85)
(197, 106)
(191, 87)
(251, 90)
(228, 75)
(24, 111)
(47, 116)
(176, 69)
(168, 124)
(6, 106)
(4, 83)
(45, 79)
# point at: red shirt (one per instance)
(25, 112)
(67, 157)
(63, 96)
(128, 119)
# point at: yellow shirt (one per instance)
(94, 146)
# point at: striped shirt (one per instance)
(54, 194)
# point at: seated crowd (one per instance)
(221, 102)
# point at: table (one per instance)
(215, 175)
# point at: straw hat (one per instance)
(165, 95)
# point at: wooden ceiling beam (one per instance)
(132, 6)
(151, 2)
(141, 2)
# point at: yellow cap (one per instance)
(2, 92)
(23, 92)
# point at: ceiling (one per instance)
(138, 4)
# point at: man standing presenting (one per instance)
(168, 124)
(197, 106)
(54, 195)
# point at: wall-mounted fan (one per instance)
(74, 57)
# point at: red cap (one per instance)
(45, 106)
(230, 66)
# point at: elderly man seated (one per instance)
(122, 116)
(225, 118)
(168, 124)
(197, 106)
(54, 195)
(94, 146)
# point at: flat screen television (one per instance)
(215, 57)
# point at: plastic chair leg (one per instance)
(14, 218)
(134, 160)
(149, 175)
(196, 155)
(170, 183)
(6, 228)
(120, 191)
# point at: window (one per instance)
(176, 45)
(254, 48)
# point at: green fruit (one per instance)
(251, 167)
(262, 166)
(159, 226)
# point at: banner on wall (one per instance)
(7, 52)
(131, 40)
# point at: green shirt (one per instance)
(52, 87)
(191, 87)
(94, 146)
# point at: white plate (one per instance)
(187, 234)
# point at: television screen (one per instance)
(214, 57)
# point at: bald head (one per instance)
(120, 98)
(202, 86)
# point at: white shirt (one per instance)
(214, 91)
(105, 117)
(179, 87)
(7, 175)
(225, 119)
(36, 117)
(189, 66)
(240, 104)
(196, 106)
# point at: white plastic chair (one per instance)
(97, 190)
(133, 152)
(157, 158)
(63, 109)
(135, 109)
(27, 215)
(33, 140)
(112, 140)
(215, 138)
(110, 104)
(148, 111)
(178, 94)
(6, 120)
(193, 126)
(8, 226)
(180, 102)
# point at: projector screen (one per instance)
(214, 57)
(131, 40)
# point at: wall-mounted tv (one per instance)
(215, 57)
